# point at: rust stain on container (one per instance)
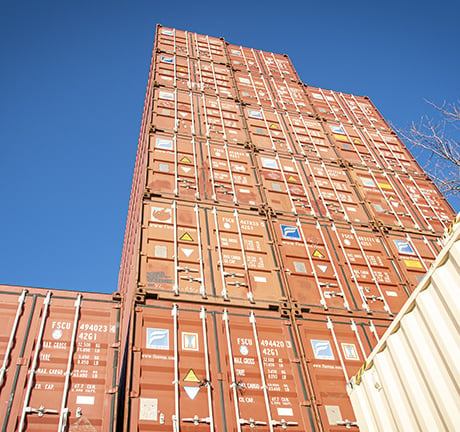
(199, 252)
(60, 360)
(198, 368)
(335, 347)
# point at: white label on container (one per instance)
(288, 412)
(161, 251)
(148, 409)
(349, 351)
(167, 32)
(334, 415)
(404, 247)
(288, 168)
(300, 267)
(244, 80)
(322, 349)
(317, 96)
(157, 339)
(166, 95)
(260, 279)
(85, 400)
(367, 182)
(255, 114)
(391, 293)
(165, 144)
(245, 191)
(163, 167)
(168, 60)
(269, 163)
(189, 341)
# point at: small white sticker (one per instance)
(269, 163)
(244, 80)
(165, 144)
(260, 279)
(317, 96)
(227, 225)
(161, 251)
(392, 293)
(244, 350)
(168, 60)
(288, 412)
(246, 191)
(167, 32)
(255, 114)
(349, 351)
(192, 391)
(166, 95)
(57, 334)
(85, 400)
(189, 341)
(148, 409)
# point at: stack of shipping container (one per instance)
(274, 231)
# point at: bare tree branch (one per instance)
(440, 149)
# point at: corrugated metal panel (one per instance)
(334, 348)
(411, 380)
(199, 368)
(197, 252)
(60, 360)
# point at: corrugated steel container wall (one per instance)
(60, 360)
(268, 221)
(199, 368)
(197, 252)
(333, 349)
(338, 267)
(411, 379)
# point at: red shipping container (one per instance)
(308, 136)
(327, 105)
(60, 360)
(190, 74)
(191, 44)
(414, 253)
(336, 267)
(363, 111)
(244, 59)
(200, 252)
(335, 348)
(198, 368)
(291, 97)
(391, 151)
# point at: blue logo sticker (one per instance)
(404, 247)
(168, 60)
(165, 144)
(322, 349)
(255, 114)
(290, 232)
(337, 129)
(157, 339)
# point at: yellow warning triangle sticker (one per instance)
(317, 254)
(292, 178)
(273, 126)
(186, 237)
(357, 141)
(191, 377)
(185, 159)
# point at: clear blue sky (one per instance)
(72, 81)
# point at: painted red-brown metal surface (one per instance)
(192, 169)
(175, 110)
(213, 369)
(337, 267)
(230, 175)
(253, 89)
(244, 59)
(197, 252)
(278, 65)
(291, 96)
(59, 353)
(191, 44)
(351, 145)
(391, 151)
(335, 195)
(335, 348)
(414, 253)
(363, 111)
(285, 184)
(308, 137)
(220, 119)
(403, 201)
(198, 75)
(267, 130)
(327, 105)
